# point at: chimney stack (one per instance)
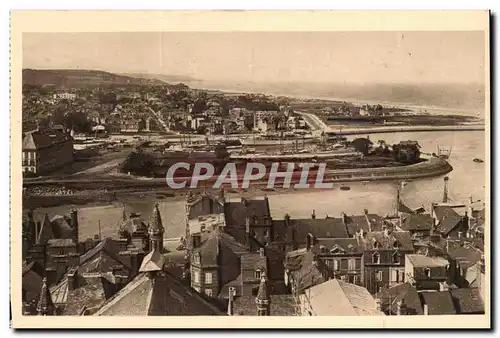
(313, 215)
(230, 305)
(378, 304)
(426, 310)
(309, 241)
(74, 224)
(262, 252)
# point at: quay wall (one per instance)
(429, 168)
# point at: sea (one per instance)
(468, 179)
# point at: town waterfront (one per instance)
(466, 179)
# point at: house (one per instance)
(402, 299)
(44, 150)
(418, 225)
(426, 273)
(384, 258)
(448, 222)
(301, 271)
(465, 262)
(263, 303)
(340, 258)
(338, 298)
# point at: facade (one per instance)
(384, 258)
(46, 150)
(426, 273)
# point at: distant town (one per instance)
(90, 136)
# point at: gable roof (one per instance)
(305, 272)
(387, 241)
(337, 298)
(465, 256)
(35, 139)
(167, 296)
(107, 247)
(447, 217)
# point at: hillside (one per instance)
(74, 78)
(165, 78)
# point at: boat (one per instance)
(478, 160)
(345, 188)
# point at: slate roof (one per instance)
(155, 223)
(61, 242)
(307, 274)
(465, 256)
(236, 212)
(417, 222)
(337, 298)
(467, 301)
(133, 224)
(153, 261)
(439, 302)
(31, 283)
(406, 292)
(108, 251)
(35, 139)
(401, 238)
(167, 296)
(86, 298)
(280, 305)
(222, 251)
(319, 228)
(447, 217)
(355, 223)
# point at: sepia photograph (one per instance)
(201, 169)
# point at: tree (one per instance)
(362, 145)
(138, 163)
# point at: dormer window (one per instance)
(376, 258)
(258, 274)
(427, 272)
(376, 245)
(395, 258)
(396, 245)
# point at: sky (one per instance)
(335, 57)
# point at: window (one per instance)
(376, 258)
(350, 279)
(378, 276)
(396, 245)
(258, 274)
(208, 292)
(351, 264)
(356, 280)
(196, 259)
(427, 272)
(335, 265)
(395, 258)
(196, 276)
(395, 276)
(375, 245)
(208, 278)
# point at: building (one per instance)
(44, 150)
(64, 96)
(384, 258)
(448, 222)
(338, 298)
(340, 258)
(155, 292)
(426, 273)
(419, 226)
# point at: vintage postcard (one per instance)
(332, 166)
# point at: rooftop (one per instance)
(428, 262)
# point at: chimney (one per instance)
(460, 234)
(262, 252)
(230, 305)
(426, 310)
(344, 217)
(366, 211)
(196, 240)
(313, 215)
(74, 224)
